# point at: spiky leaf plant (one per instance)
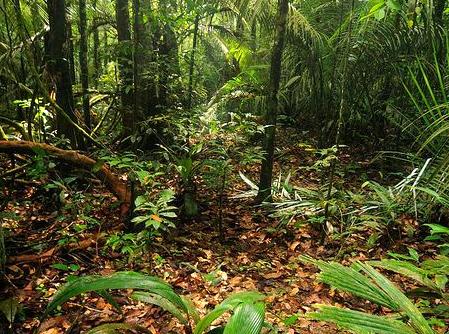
(364, 281)
(248, 315)
(150, 290)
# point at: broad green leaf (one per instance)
(228, 304)
(394, 5)
(9, 308)
(119, 280)
(405, 305)
(140, 200)
(360, 322)
(352, 281)
(248, 318)
(213, 315)
(440, 265)
(407, 269)
(438, 229)
(164, 303)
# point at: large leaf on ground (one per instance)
(407, 269)
(406, 306)
(360, 322)
(248, 318)
(119, 280)
(228, 304)
(352, 281)
(9, 308)
(151, 298)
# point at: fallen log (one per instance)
(26, 258)
(117, 186)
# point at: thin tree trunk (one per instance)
(106, 57)
(125, 61)
(71, 51)
(137, 59)
(59, 69)
(192, 60)
(96, 45)
(266, 173)
(84, 67)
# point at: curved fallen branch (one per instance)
(117, 186)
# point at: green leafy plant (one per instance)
(248, 313)
(9, 308)
(363, 281)
(156, 215)
(66, 267)
(248, 308)
(187, 164)
(440, 234)
(151, 217)
(160, 292)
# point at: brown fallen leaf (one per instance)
(273, 275)
(294, 245)
(294, 291)
(235, 280)
(52, 331)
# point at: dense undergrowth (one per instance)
(199, 184)
(235, 166)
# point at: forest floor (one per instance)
(258, 254)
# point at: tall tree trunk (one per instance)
(137, 57)
(71, 52)
(192, 60)
(96, 44)
(84, 67)
(106, 57)
(125, 61)
(59, 69)
(169, 69)
(266, 173)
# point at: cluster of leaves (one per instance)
(376, 207)
(248, 308)
(362, 280)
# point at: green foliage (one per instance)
(119, 280)
(376, 207)
(9, 308)
(187, 164)
(439, 234)
(186, 161)
(248, 308)
(363, 281)
(430, 273)
(248, 314)
(151, 218)
(156, 215)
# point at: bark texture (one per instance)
(59, 68)
(266, 174)
(84, 67)
(125, 61)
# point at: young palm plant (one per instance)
(362, 280)
(247, 308)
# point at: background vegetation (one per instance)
(319, 118)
